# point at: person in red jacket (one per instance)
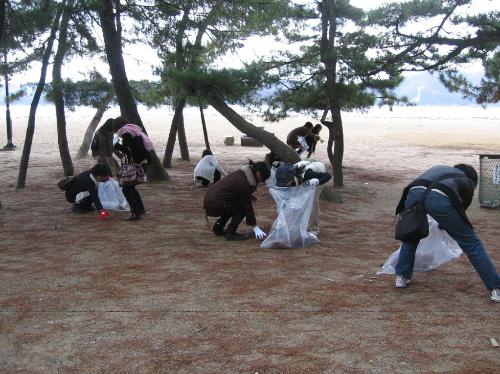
(231, 199)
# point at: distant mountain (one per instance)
(425, 89)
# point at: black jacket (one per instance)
(133, 147)
(83, 182)
(458, 187)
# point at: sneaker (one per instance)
(234, 236)
(401, 281)
(218, 229)
(495, 295)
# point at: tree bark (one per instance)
(28, 140)
(283, 151)
(204, 126)
(62, 48)
(87, 138)
(328, 54)
(169, 149)
(181, 134)
(111, 31)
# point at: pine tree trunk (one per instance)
(62, 47)
(87, 138)
(328, 54)
(204, 125)
(283, 151)
(111, 31)
(181, 134)
(28, 140)
(169, 149)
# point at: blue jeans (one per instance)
(440, 208)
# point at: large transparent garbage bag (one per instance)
(432, 251)
(111, 195)
(289, 230)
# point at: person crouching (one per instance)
(82, 191)
(232, 198)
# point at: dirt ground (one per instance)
(166, 295)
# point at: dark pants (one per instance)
(235, 213)
(134, 199)
(205, 182)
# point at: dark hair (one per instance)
(107, 126)
(316, 129)
(261, 167)
(309, 125)
(100, 170)
(469, 171)
(206, 152)
(118, 123)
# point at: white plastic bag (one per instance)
(111, 195)
(289, 230)
(432, 251)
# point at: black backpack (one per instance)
(65, 183)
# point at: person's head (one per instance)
(308, 125)
(101, 172)
(469, 171)
(118, 123)
(316, 129)
(286, 175)
(260, 170)
(206, 152)
(107, 126)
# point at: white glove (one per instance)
(259, 234)
(313, 182)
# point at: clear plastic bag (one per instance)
(289, 230)
(111, 195)
(432, 251)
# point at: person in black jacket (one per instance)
(136, 146)
(452, 190)
(82, 190)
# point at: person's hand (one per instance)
(259, 234)
(313, 182)
(103, 215)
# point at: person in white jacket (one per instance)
(208, 170)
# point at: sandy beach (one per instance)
(165, 295)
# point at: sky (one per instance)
(140, 59)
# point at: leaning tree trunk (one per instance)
(62, 47)
(28, 140)
(204, 125)
(181, 133)
(87, 138)
(283, 151)
(169, 149)
(111, 31)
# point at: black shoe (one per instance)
(234, 236)
(218, 229)
(78, 209)
(134, 217)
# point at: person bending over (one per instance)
(82, 190)
(312, 141)
(232, 199)
(310, 172)
(452, 190)
(208, 169)
(299, 137)
(136, 146)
